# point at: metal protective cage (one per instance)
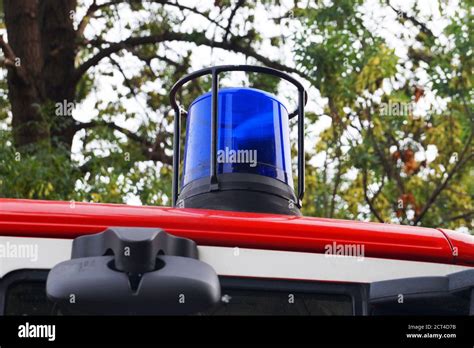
(215, 71)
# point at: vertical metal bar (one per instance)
(361, 300)
(176, 153)
(214, 121)
(301, 157)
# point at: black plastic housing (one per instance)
(142, 271)
(241, 192)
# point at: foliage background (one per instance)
(390, 124)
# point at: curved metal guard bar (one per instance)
(214, 71)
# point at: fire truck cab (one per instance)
(266, 264)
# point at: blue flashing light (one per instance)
(253, 136)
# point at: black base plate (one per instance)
(240, 200)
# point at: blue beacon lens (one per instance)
(252, 136)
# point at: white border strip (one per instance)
(248, 263)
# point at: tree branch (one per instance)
(239, 4)
(197, 38)
(390, 171)
(85, 20)
(113, 126)
(148, 58)
(150, 150)
(442, 185)
(95, 7)
(337, 181)
(187, 8)
(10, 59)
(423, 28)
(129, 85)
(369, 201)
(465, 216)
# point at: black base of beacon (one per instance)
(240, 192)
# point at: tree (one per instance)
(59, 53)
(49, 59)
(371, 168)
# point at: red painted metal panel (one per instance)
(56, 219)
(462, 245)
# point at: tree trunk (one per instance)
(58, 40)
(42, 38)
(25, 92)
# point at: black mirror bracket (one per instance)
(135, 250)
(133, 271)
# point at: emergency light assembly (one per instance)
(237, 155)
(234, 242)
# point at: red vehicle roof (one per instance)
(56, 219)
